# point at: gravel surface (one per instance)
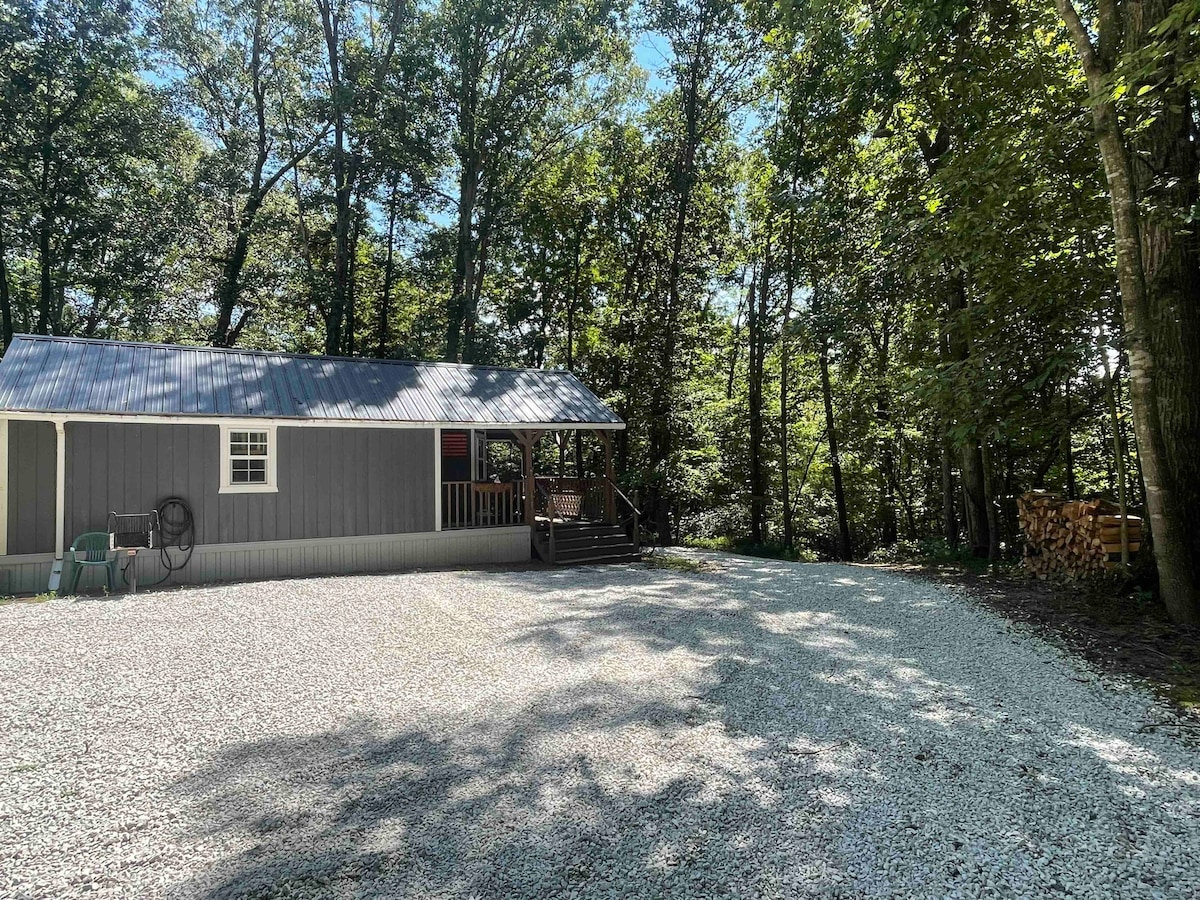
(756, 729)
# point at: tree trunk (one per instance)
(735, 345)
(470, 343)
(463, 266)
(350, 338)
(346, 165)
(844, 547)
(812, 454)
(1158, 270)
(46, 273)
(888, 476)
(383, 334)
(992, 512)
(975, 495)
(1068, 450)
(468, 191)
(950, 520)
(756, 329)
(1118, 445)
(229, 286)
(342, 186)
(1136, 487)
(785, 497)
(975, 498)
(662, 437)
(6, 317)
(241, 223)
(949, 496)
(571, 311)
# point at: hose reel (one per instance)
(130, 532)
(171, 526)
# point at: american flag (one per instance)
(454, 443)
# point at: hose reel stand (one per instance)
(130, 532)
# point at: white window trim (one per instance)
(227, 486)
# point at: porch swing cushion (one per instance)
(568, 504)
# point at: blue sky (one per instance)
(653, 54)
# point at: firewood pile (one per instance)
(1072, 538)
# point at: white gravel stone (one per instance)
(763, 729)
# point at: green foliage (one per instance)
(677, 563)
(767, 550)
(907, 202)
(44, 597)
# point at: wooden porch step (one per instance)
(578, 543)
(565, 528)
(594, 554)
(565, 542)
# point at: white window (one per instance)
(247, 459)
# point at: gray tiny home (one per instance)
(292, 465)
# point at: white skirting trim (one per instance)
(367, 553)
(25, 573)
(301, 558)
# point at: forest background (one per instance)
(856, 274)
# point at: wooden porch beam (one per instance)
(610, 499)
(527, 440)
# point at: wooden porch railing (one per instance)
(573, 498)
(481, 504)
(629, 517)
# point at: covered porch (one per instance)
(489, 478)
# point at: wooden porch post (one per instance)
(60, 503)
(610, 500)
(3, 487)
(527, 439)
(437, 479)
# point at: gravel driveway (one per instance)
(760, 729)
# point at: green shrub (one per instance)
(767, 549)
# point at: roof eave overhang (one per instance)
(291, 421)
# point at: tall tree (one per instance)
(1140, 63)
(381, 131)
(511, 69)
(90, 164)
(246, 76)
(712, 60)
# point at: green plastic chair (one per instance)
(91, 549)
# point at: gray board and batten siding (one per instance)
(74, 375)
(31, 462)
(333, 482)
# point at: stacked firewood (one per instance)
(1072, 538)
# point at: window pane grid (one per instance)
(248, 471)
(248, 451)
(254, 448)
(248, 443)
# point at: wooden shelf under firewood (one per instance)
(1073, 538)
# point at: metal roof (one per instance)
(76, 375)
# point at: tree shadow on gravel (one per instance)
(784, 730)
(487, 813)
